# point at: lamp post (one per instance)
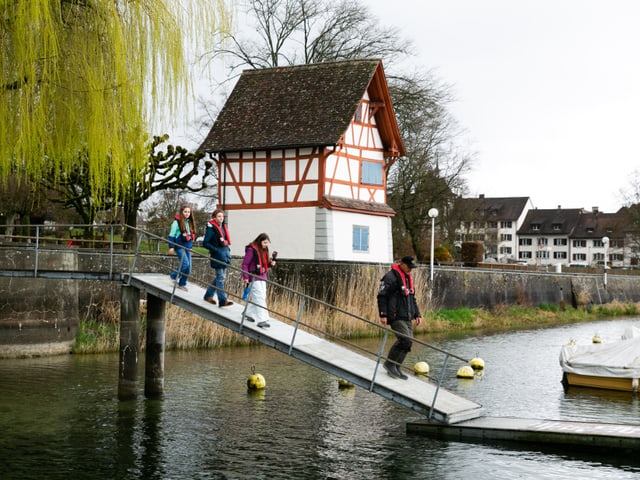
(433, 213)
(605, 242)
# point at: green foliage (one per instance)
(96, 336)
(80, 80)
(459, 316)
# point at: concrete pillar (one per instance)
(154, 352)
(129, 338)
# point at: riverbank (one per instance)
(186, 331)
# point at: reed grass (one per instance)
(184, 330)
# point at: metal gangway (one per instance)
(296, 332)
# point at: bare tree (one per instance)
(291, 32)
(631, 211)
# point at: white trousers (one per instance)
(257, 309)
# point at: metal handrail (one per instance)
(304, 300)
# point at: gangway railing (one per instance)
(300, 306)
(307, 306)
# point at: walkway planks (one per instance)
(556, 432)
(414, 393)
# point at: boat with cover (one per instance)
(612, 366)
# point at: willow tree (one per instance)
(87, 76)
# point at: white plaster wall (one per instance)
(292, 230)
(380, 247)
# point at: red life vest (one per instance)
(262, 259)
(223, 234)
(403, 276)
(188, 236)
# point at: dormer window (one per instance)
(535, 226)
(589, 229)
(557, 226)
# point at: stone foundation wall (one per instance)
(40, 316)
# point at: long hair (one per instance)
(182, 223)
(258, 242)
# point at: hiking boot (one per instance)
(226, 304)
(401, 374)
(391, 369)
(210, 300)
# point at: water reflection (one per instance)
(60, 417)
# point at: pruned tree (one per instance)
(290, 32)
(172, 169)
(82, 78)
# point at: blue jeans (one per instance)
(184, 267)
(217, 286)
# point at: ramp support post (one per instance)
(154, 354)
(129, 338)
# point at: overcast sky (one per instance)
(547, 90)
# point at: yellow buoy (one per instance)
(421, 368)
(596, 339)
(465, 372)
(255, 380)
(477, 363)
(342, 383)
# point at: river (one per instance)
(60, 417)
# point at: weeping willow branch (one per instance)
(84, 78)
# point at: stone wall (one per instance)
(40, 316)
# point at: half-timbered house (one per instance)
(302, 154)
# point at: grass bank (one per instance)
(188, 331)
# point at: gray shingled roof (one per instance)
(306, 105)
(494, 208)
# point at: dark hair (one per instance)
(216, 212)
(259, 239)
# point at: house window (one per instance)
(579, 257)
(560, 255)
(559, 242)
(543, 242)
(492, 224)
(598, 257)
(371, 173)
(535, 226)
(580, 243)
(505, 237)
(360, 238)
(505, 250)
(556, 226)
(525, 241)
(542, 254)
(275, 171)
(598, 243)
(524, 255)
(505, 224)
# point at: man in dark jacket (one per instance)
(398, 308)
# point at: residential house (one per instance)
(545, 236)
(493, 221)
(302, 154)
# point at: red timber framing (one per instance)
(300, 177)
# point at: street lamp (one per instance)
(605, 242)
(433, 213)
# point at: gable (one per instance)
(302, 106)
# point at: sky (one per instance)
(547, 91)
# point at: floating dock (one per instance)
(522, 430)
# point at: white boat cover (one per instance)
(617, 359)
